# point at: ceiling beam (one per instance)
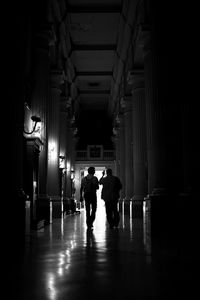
(93, 73)
(73, 9)
(92, 92)
(108, 47)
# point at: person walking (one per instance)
(89, 186)
(111, 194)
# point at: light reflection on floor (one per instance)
(65, 261)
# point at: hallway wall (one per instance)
(168, 61)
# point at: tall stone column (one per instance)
(190, 147)
(39, 108)
(139, 139)
(189, 204)
(157, 152)
(117, 153)
(116, 143)
(39, 100)
(122, 155)
(153, 112)
(163, 128)
(64, 139)
(128, 148)
(160, 124)
(162, 105)
(53, 134)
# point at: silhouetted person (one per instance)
(110, 194)
(89, 186)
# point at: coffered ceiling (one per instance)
(94, 30)
(100, 40)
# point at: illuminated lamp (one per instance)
(62, 162)
(72, 174)
(36, 128)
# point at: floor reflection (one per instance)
(67, 260)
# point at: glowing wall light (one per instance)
(52, 151)
(68, 166)
(35, 124)
(61, 161)
(72, 174)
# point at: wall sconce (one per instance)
(35, 129)
(62, 162)
(72, 174)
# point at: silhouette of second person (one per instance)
(111, 194)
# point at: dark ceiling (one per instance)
(100, 35)
(93, 33)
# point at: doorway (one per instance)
(100, 214)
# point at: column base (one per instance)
(137, 205)
(56, 207)
(163, 213)
(139, 198)
(146, 204)
(188, 215)
(44, 209)
(159, 192)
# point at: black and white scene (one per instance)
(100, 151)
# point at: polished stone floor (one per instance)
(64, 261)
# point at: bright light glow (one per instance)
(130, 210)
(60, 271)
(100, 221)
(29, 124)
(53, 152)
(131, 220)
(72, 174)
(68, 166)
(51, 286)
(61, 259)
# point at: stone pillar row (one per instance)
(149, 147)
(39, 102)
(122, 155)
(139, 140)
(45, 103)
(131, 144)
(54, 133)
(128, 163)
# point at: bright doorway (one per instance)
(100, 214)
